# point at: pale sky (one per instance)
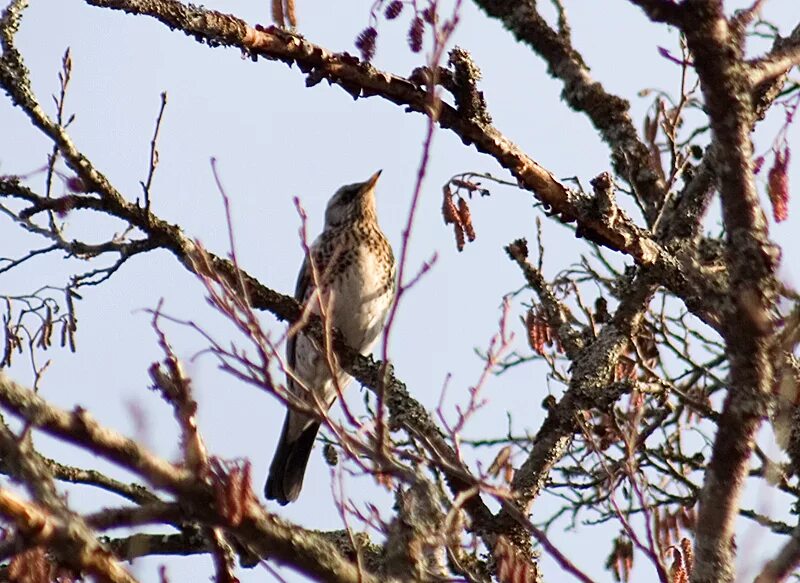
(273, 139)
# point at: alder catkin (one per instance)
(365, 43)
(393, 10)
(778, 185)
(415, 34)
(466, 218)
(449, 210)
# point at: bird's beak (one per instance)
(372, 181)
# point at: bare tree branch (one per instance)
(361, 79)
(631, 368)
(263, 534)
(609, 113)
(717, 51)
(660, 10)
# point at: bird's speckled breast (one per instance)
(362, 297)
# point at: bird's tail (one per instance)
(289, 464)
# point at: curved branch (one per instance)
(779, 61)
(362, 80)
(607, 112)
(215, 28)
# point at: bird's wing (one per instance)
(300, 293)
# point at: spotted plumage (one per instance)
(355, 269)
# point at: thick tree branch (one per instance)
(608, 113)
(660, 10)
(262, 533)
(148, 545)
(361, 79)
(80, 428)
(72, 549)
(591, 387)
(774, 65)
(752, 262)
(779, 61)
(49, 522)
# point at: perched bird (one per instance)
(355, 271)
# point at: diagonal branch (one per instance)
(362, 80)
(591, 387)
(608, 113)
(48, 521)
(63, 538)
(779, 61)
(781, 567)
(306, 551)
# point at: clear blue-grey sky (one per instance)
(274, 139)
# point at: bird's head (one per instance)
(352, 201)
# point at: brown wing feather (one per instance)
(300, 291)
(288, 467)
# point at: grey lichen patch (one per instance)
(355, 546)
(470, 102)
(594, 370)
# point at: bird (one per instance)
(352, 264)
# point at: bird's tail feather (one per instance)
(289, 464)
